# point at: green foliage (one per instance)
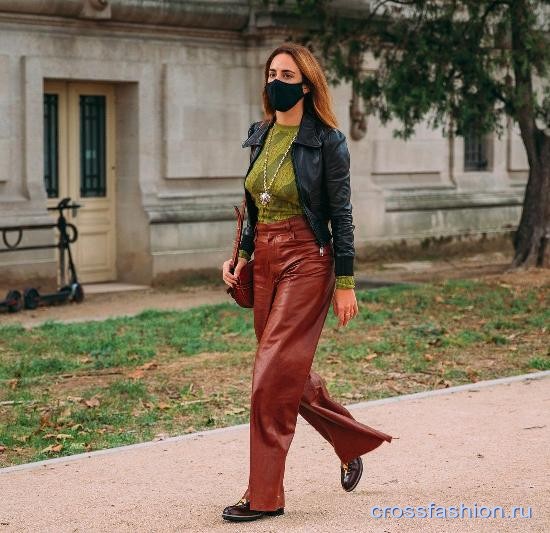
(456, 64)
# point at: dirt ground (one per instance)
(180, 296)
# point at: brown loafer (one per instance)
(350, 473)
(241, 512)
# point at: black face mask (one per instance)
(282, 96)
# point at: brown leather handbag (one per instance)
(242, 291)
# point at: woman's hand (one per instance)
(344, 305)
(228, 278)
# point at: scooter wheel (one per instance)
(78, 295)
(14, 301)
(31, 298)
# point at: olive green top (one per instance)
(284, 202)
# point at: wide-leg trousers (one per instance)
(293, 287)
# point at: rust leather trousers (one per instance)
(293, 289)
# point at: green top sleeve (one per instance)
(345, 282)
(245, 254)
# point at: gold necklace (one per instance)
(265, 197)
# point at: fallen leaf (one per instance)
(136, 374)
(435, 342)
(394, 388)
(52, 448)
(66, 413)
(235, 411)
(149, 366)
(45, 419)
(92, 402)
(74, 399)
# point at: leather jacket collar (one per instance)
(308, 132)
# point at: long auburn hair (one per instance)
(318, 100)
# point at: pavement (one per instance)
(481, 444)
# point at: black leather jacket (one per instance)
(321, 161)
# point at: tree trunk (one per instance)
(533, 233)
(531, 240)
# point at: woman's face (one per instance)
(284, 68)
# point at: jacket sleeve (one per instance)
(336, 164)
(247, 237)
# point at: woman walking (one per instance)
(298, 181)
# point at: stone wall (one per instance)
(185, 99)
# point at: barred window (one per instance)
(51, 145)
(476, 151)
(92, 145)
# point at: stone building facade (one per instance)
(137, 111)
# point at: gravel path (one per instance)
(483, 444)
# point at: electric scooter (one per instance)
(13, 302)
(73, 291)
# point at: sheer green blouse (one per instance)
(284, 201)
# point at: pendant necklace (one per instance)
(265, 197)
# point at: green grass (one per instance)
(54, 348)
(88, 386)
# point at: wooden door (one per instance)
(79, 162)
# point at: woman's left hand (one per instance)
(345, 305)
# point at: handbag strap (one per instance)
(240, 219)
